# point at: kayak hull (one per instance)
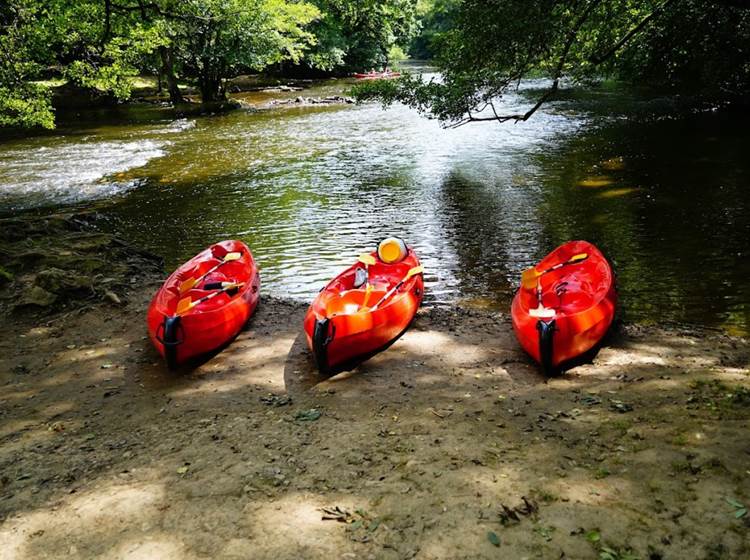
(342, 334)
(212, 324)
(583, 298)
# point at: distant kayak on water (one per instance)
(385, 75)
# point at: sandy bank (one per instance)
(427, 448)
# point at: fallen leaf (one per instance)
(182, 470)
(593, 536)
(493, 538)
(308, 415)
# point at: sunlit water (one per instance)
(309, 188)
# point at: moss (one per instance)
(5, 277)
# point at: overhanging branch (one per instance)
(598, 59)
(557, 74)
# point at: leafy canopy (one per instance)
(489, 45)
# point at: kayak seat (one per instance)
(350, 301)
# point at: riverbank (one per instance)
(448, 445)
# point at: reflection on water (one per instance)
(309, 188)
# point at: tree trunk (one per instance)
(210, 84)
(167, 68)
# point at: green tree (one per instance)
(102, 44)
(685, 45)
(435, 18)
(22, 103)
(218, 38)
(356, 35)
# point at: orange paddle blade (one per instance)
(183, 305)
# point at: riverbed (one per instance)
(309, 187)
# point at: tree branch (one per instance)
(557, 74)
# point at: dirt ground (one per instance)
(448, 445)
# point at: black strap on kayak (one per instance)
(170, 330)
(321, 340)
(546, 334)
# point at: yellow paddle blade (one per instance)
(366, 258)
(414, 271)
(529, 277)
(190, 283)
(183, 305)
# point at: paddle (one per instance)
(185, 304)
(530, 275)
(191, 282)
(367, 260)
(412, 272)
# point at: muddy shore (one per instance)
(450, 444)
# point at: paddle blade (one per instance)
(233, 256)
(183, 305)
(577, 258)
(414, 271)
(366, 258)
(529, 277)
(188, 284)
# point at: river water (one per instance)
(309, 188)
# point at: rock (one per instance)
(37, 296)
(60, 281)
(113, 297)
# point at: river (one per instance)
(310, 187)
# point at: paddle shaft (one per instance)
(416, 270)
(202, 276)
(562, 264)
(209, 296)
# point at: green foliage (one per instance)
(490, 45)
(102, 44)
(435, 18)
(217, 38)
(357, 35)
(119, 60)
(22, 104)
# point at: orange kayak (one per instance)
(221, 286)
(344, 326)
(570, 308)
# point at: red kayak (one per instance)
(204, 303)
(376, 75)
(363, 310)
(565, 305)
